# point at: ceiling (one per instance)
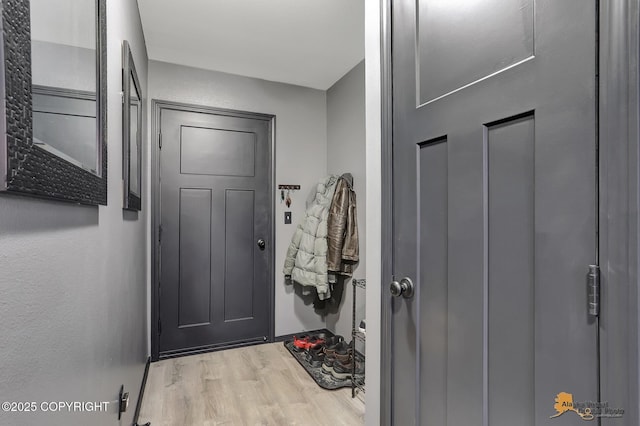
(310, 43)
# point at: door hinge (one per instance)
(160, 140)
(593, 290)
(160, 234)
(159, 327)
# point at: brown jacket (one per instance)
(342, 229)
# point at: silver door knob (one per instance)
(261, 244)
(404, 288)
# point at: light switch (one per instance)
(287, 218)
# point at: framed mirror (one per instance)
(53, 120)
(131, 131)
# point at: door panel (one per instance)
(494, 179)
(217, 152)
(215, 205)
(239, 244)
(511, 271)
(194, 253)
(433, 267)
(478, 40)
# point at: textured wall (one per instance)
(374, 208)
(73, 281)
(346, 153)
(301, 155)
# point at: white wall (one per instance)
(374, 208)
(68, 22)
(59, 65)
(346, 153)
(301, 155)
(73, 281)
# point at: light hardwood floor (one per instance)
(255, 385)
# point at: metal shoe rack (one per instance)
(357, 384)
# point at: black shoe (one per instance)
(332, 341)
(320, 335)
(338, 352)
(313, 351)
(339, 347)
(343, 352)
(316, 356)
(344, 371)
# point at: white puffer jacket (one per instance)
(306, 260)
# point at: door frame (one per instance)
(619, 205)
(156, 108)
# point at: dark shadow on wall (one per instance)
(322, 307)
(23, 215)
(333, 304)
(307, 299)
(332, 309)
(130, 215)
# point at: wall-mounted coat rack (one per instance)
(290, 187)
(286, 198)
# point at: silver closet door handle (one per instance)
(261, 244)
(404, 288)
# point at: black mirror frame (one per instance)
(25, 168)
(131, 201)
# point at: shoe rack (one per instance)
(357, 383)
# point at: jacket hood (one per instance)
(348, 177)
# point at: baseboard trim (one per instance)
(211, 348)
(141, 394)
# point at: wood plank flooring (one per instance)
(255, 385)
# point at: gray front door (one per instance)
(215, 244)
(494, 210)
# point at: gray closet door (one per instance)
(494, 201)
(215, 219)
